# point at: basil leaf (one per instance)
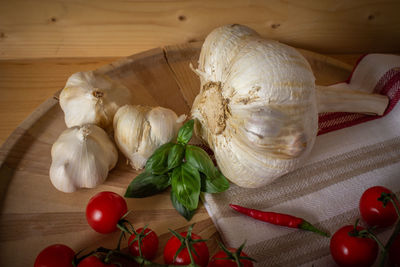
(175, 156)
(214, 184)
(187, 214)
(158, 162)
(213, 181)
(147, 184)
(185, 132)
(199, 159)
(186, 185)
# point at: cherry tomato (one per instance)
(183, 257)
(353, 251)
(55, 256)
(149, 244)
(218, 260)
(93, 261)
(372, 210)
(104, 210)
(394, 251)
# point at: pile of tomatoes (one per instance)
(106, 213)
(353, 245)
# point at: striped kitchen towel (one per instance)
(352, 153)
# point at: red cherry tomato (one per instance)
(104, 210)
(353, 251)
(149, 244)
(372, 210)
(183, 257)
(55, 256)
(93, 261)
(218, 260)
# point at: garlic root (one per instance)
(336, 99)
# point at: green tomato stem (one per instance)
(140, 260)
(121, 226)
(366, 233)
(140, 244)
(121, 235)
(189, 251)
(237, 260)
(395, 232)
(77, 259)
(395, 203)
(376, 239)
(108, 257)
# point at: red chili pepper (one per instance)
(278, 219)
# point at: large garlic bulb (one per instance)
(257, 106)
(81, 158)
(140, 130)
(92, 98)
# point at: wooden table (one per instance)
(43, 43)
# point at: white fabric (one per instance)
(326, 203)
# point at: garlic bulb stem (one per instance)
(331, 99)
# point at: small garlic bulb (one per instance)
(256, 108)
(140, 130)
(90, 98)
(81, 158)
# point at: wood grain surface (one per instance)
(26, 83)
(47, 28)
(43, 42)
(34, 214)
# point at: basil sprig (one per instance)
(213, 180)
(187, 168)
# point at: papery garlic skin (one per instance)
(256, 108)
(91, 98)
(140, 130)
(81, 157)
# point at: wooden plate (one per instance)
(34, 214)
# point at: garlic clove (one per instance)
(91, 98)
(81, 158)
(130, 126)
(164, 124)
(140, 130)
